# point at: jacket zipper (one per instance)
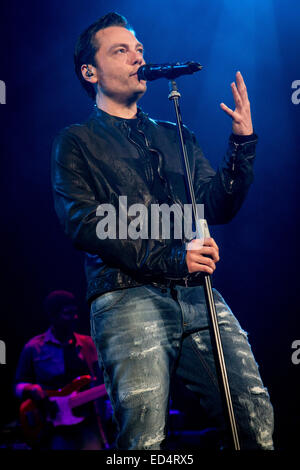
(236, 145)
(233, 164)
(138, 147)
(185, 279)
(159, 168)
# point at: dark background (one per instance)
(258, 273)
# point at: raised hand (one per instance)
(241, 116)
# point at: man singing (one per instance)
(148, 310)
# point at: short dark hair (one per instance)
(86, 46)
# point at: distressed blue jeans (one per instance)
(145, 334)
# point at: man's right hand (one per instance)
(34, 391)
(202, 255)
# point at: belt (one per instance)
(191, 280)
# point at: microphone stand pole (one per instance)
(174, 96)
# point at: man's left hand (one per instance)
(241, 116)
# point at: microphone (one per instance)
(154, 71)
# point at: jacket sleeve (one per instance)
(76, 206)
(223, 192)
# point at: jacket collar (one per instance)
(115, 120)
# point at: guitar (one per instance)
(58, 407)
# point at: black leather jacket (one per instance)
(98, 161)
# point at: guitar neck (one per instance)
(88, 395)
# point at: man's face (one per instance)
(118, 58)
(65, 320)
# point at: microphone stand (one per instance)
(201, 228)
